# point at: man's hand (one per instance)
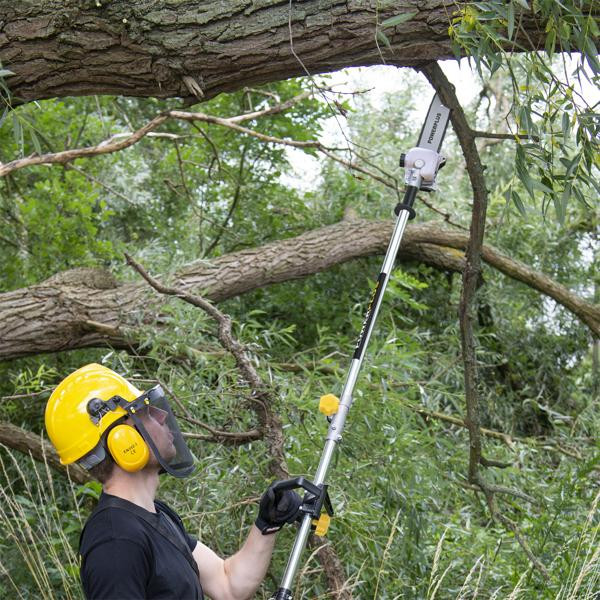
(277, 508)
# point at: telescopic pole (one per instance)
(422, 164)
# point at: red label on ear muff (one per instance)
(128, 448)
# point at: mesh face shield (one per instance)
(154, 419)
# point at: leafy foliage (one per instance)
(547, 106)
(407, 526)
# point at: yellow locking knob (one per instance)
(322, 525)
(328, 404)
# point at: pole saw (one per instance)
(422, 164)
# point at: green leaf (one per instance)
(384, 39)
(511, 20)
(542, 186)
(573, 165)
(560, 204)
(591, 54)
(5, 73)
(550, 42)
(592, 26)
(36, 142)
(518, 203)
(398, 19)
(18, 132)
(566, 126)
(523, 3)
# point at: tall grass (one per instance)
(39, 528)
(38, 559)
(582, 582)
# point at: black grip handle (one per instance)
(297, 482)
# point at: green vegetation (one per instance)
(408, 524)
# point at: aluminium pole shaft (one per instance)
(422, 164)
(336, 427)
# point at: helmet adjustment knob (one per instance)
(96, 408)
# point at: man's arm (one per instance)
(237, 577)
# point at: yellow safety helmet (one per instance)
(71, 430)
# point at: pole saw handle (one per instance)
(314, 500)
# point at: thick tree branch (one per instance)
(198, 50)
(87, 307)
(31, 443)
(192, 50)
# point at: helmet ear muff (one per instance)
(128, 448)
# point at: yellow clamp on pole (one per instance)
(322, 525)
(328, 404)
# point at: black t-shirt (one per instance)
(125, 557)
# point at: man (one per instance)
(134, 546)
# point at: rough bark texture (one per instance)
(30, 443)
(87, 307)
(186, 48)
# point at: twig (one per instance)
(504, 437)
(210, 143)
(234, 203)
(261, 395)
(42, 393)
(503, 136)
(488, 462)
(512, 526)
(500, 489)
(228, 438)
(97, 181)
(223, 321)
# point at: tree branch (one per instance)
(264, 398)
(87, 307)
(471, 274)
(113, 144)
(31, 443)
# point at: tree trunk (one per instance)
(87, 307)
(191, 49)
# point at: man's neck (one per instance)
(138, 488)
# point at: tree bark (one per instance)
(190, 49)
(87, 307)
(31, 443)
